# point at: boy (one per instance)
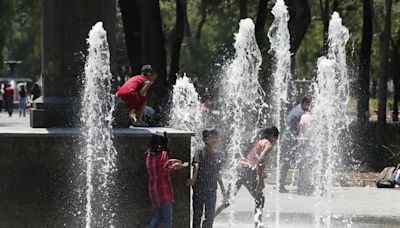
(134, 91)
(207, 164)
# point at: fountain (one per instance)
(96, 127)
(329, 135)
(279, 38)
(186, 113)
(241, 99)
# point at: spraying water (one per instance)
(241, 97)
(279, 38)
(329, 105)
(96, 119)
(186, 113)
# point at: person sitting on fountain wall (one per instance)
(251, 174)
(289, 141)
(161, 193)
(207, 165)
(134, 91)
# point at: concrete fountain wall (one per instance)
(39, 174)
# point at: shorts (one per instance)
(133, 100)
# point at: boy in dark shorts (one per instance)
(207, 165)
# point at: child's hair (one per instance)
(269, 132)
(159, 143)
(210, 132)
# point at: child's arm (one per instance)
(221, 185)
(146, 86)
(192, 182)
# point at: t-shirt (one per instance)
(305, 123)
(9, 91)
(132, 86)
(294, 118)
(252, 159)
(160, 185)
(210, 164)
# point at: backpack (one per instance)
(386, 177)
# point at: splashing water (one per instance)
(279, 38)
(186, 113)
(96, 118)
(241, 97)
(330, 129)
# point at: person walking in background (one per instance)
(161, 193)
(35, 92)
(251, 173)
(134, 91)
(289, 141)
(1, 98)
(22, 100)
(9, 99)
(206, 176)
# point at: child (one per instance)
(207, 164)
(134, 91)
(159, 168)
(251, 174)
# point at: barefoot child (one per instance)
(207, 165)
(159, 167)
(134, 91)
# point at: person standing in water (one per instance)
(206, 174)
(251, 173)
(134, 92)
(289, 143)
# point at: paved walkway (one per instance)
(16, 125)
(358, 207)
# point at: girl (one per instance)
(250, 172)
(159, 168)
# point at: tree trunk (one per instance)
(374, 89)
(384, 43)
(187, 30)
(201, 23)
(395, 71)
(260, 22)
(131, 20)
(153, 46)
(364, 67)
(300, 18)
(325, 13)
(243, 8)
(177, 41)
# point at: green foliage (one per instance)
(23, 37)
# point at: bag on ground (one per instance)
(386, 177)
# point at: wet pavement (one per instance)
(367, 207)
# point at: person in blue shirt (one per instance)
(289, 141)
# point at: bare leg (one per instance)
(219, 209)
(133, 114)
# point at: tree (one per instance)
(243, 9)
(395, 73)
(384, 53)
(364, 61)
(177, 41)
(145, 40)
(131, 19)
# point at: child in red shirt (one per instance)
(134, 91)
(161, 193)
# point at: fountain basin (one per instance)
(40, 174)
